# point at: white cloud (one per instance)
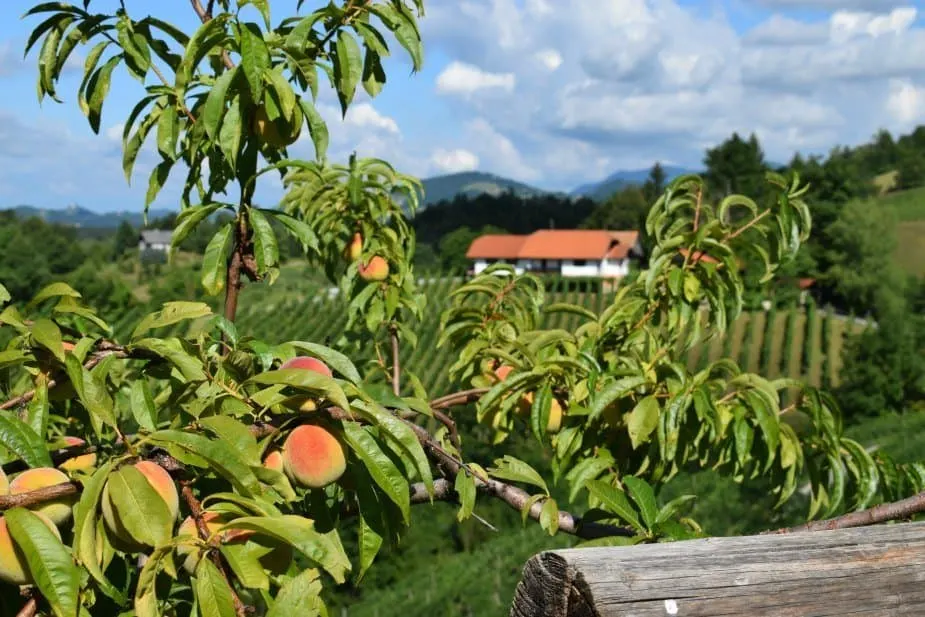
(465, 79)
(906, 103)
(453, 161)
(550, 58)
(869, 5)
(845, 25)
(642, 80)
(364, 115)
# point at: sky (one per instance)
(553, 93)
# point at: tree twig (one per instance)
(901, 509)
(458, 398)
(196, 510)
(29, 609)
(39, 495)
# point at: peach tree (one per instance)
(214, 474)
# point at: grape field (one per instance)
(794, 342)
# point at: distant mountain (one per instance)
(472, 184)
(599, 191)
(77, 216)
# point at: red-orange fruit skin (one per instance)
(313, 457)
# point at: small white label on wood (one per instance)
(671, 607)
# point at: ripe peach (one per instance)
(84, 462)
(59, 510)
(308, 363)
(13, 568)
(158, 478)
(313, 457)
(302, 402)
(376, 269)
(355, 248)
(555, 413)
(523, 406)
(274, 461)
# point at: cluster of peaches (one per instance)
(311, 456)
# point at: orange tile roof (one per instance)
(495, 246)
(556, 244)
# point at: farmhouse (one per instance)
(599, 253)
(157, 240)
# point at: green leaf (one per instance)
(317, 128)
(465, 489)
(37, 412)
(231, 132)
(644, 497)
(94, 397)
(85, 530)
(52, 291)
(171, 313)
(156, 180)
(140, 508)
(612, 391)
(209, 35)
(549, 516)
(671, 508)
(244, 560)
(222, 458)
(642, 420)
(189, 219)
(172, 350)
(540, 411)
(98, 89)
(299, 230)
(333, 358)
(213, 595)
(146, 604)
(4, 295)
(348, 68)
(49, 561)
(47, 334)
(266, 250)
(300, 533)
(300, 595)
(313, 382)
(19, 438)
(142, 405)
(373, 73)
(215, 259)
(236, 434)
(380, 466)
(614, 500)
(402, 435)
(214, 109)
(370, 542)
(515, 470)
(255, 58)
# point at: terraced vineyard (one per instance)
(790, 344)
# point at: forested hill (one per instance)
(473, 184)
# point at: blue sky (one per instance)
(554, 93)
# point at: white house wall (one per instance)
(615, 267)
(591, 268)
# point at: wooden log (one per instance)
(867, 571)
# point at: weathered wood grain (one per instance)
(869, 571)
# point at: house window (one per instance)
(580, 262)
